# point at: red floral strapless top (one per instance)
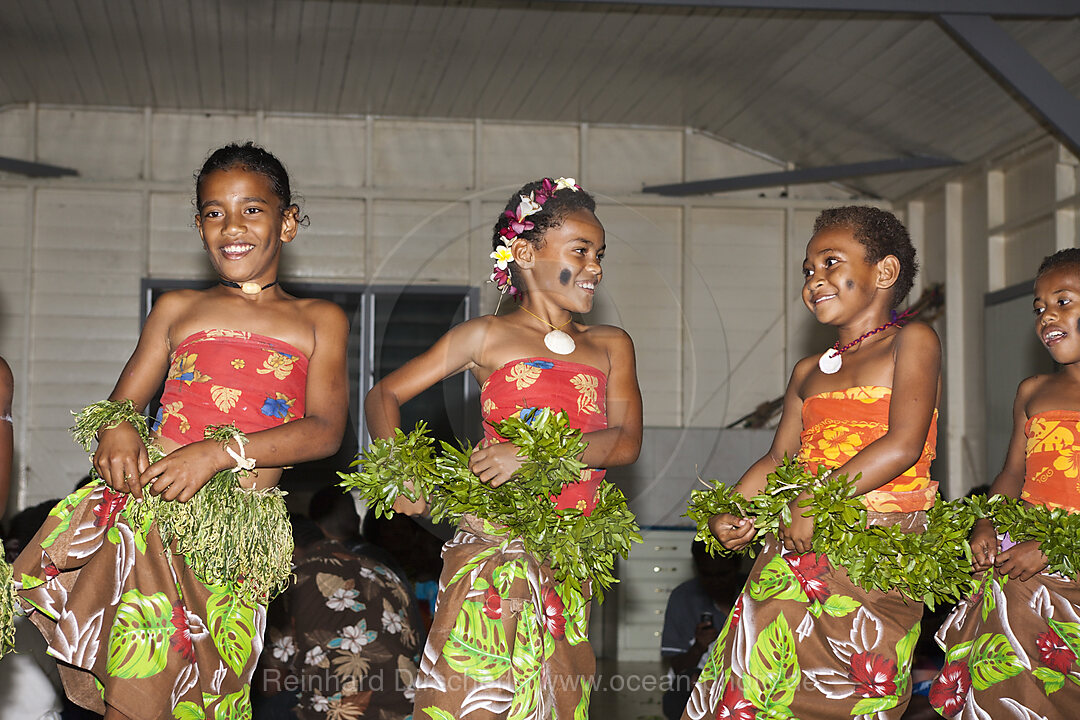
(837, 425)
(1052, 465)
(581, 390)
(231, 376)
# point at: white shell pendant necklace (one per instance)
(556, 341)
(248, 288)
(831, 361)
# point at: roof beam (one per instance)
(997, 8)
(831, 173)
(33, 169)
(1015, 68)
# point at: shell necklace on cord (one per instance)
(831, 361)
(556, 341)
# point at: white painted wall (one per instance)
(986, 228)
(706, 286)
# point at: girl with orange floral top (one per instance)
(1012, 647)
(803, 640)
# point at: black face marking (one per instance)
(850, 284)
(564, 276)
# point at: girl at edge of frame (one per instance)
(244, 332)
(548, 247)
(875, 416)
(1032, 614)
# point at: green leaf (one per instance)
(234, 706)
(1069, 632)
(867, 706)
(477, 646)
(992, 660)
(436, 713)
(139, 639)
(774, 668)
(958, 652)
(1052, 679)
(188, 710)
(526, 663)
(231, 621)
(840, 605)
(777, 581)
(581, 710)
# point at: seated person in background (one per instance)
(416, 551)
(347, 631)
(696, 611)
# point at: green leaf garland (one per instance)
(932, 566)
(579, 548)
(228, 534)
(1055, 529)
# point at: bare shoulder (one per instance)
(323, 313)
(919, 337)
(803, 368)
(7, 382)
(1031, 388)
(176, 303)
(610, 336)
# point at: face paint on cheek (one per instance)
(564, 277)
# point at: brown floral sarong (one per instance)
(507, 640)
(131, 624)
(803, 641)
(1011, 651)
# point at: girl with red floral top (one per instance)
(144, 628)
(506, 638)
(1012, 647)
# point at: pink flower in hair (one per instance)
(525, 208)
(546, 191)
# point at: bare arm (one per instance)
(120, 455)
(619, 443)
(180, 474)
(454, 352)
(734, 532)
(7, 432)
(1025, 559)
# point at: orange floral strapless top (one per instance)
(1052, 465)
(837, 425)
(231, 376)
(520, 386)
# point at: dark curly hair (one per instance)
(554, 211)
(881, 234)
(252, 158)
(1062, 258)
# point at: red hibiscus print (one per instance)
(554, 620)
(493, 604)
(109, 508)
(948, 694)
(808, 570)
(734, 706)
(51, 571)
(1054, 652)
(180, 640)
(874, 675)
(736, 612)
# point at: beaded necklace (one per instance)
(831, 360)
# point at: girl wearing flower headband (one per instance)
(506, 638)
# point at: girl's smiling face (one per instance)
(1057, 312)
(242, 225)
(838, 281)
(568, 264)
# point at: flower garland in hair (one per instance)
(518, 223)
